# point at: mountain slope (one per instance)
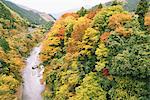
(15, 44)
(46, 17)
(28, 14)
(130, 5)
(97, 55)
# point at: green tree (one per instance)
(100, 6)
(115, 2)
(141, 10)
(82, 12)
(4, 44)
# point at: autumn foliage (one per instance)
(104, 37)
(99, 54)
(16, 43)
(117, 21)
(147, 20)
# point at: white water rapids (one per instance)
(32, 88)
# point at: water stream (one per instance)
(32, 88)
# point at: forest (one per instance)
(14, 30)
(101, 53)
(98, 54)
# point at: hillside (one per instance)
(16, 43)
(129, 5)
(46, 17)
(99, 54)
(34, 17)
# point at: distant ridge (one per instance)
(130, 5)
(31, 15)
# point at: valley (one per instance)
(99, 53)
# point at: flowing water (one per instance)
(32, 88)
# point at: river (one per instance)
(32, 88)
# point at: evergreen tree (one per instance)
(82, 12)
(100, 6)
(141, 10)
(4, 44)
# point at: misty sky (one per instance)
(57, 6)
